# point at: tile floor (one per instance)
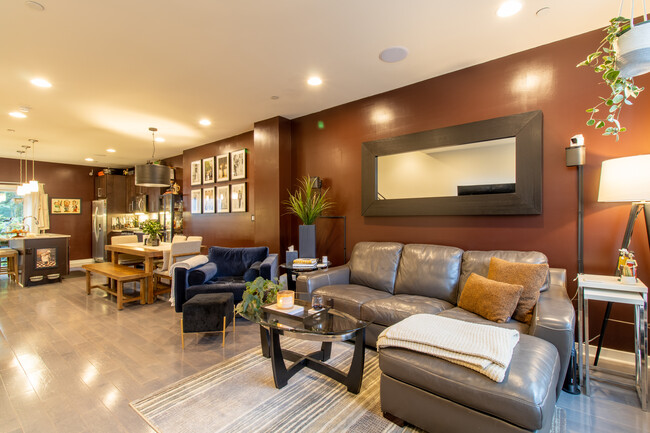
(72, 363)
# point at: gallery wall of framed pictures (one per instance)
(220, 197)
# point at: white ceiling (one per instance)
(119, 67)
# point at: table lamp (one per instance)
(625, 180)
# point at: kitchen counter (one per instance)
(43, 258)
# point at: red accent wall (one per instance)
(544, 78)
(62, 181)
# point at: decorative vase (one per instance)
(153, 241)
(633, 51)
(307, 241)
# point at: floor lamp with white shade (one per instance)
(625, 180)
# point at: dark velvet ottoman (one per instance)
(208, 312)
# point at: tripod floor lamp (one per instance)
(625, 180)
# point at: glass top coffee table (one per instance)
(326, 326)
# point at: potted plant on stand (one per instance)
(153, 228)
(623, 54)
(308, 203)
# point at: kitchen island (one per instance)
(43, 258)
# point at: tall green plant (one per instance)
(622, 89)
(307, 203)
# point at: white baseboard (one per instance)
(76, 264)
(611, 355)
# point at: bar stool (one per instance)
(11, 263)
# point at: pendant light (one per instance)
(20, 189)
(633, 46)
(33, 184)
(26, 187)
(151, 174)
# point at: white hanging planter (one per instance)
(633, 50)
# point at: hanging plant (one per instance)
(623, 89)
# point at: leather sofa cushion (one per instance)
(526, 395)
(349, 298)
(494, 300)
(468, 316)
(478, 262)
(429, 270)
(235, 261)
(389, 311)
(374, 264)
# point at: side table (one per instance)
(610, 289)
(294, 271)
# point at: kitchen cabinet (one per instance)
(113, 186)
(43, 258)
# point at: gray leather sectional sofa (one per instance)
(385, 282)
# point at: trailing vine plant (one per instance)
(623, 89)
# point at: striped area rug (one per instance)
(238, 395)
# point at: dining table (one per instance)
(149, 253)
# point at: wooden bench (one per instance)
(121, 274)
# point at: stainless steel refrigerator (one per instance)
(100, 229)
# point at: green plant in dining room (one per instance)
(152, 227)
(622, 89)
(308, 202)
(258, 292)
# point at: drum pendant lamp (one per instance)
(151, 174)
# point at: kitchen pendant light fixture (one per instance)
(20, 189)
(152, 174)
(26, 187)
(33, 184)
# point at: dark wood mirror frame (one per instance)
(526, 200)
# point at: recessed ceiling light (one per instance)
(205, 122)
(275, 97)
(89, 159)
(509, 8)
(393, 54)
(314, 81)
(18, 114)
(110, 150)
(160, 140)
(40, 82)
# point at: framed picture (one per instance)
(238, 197)
(223, 199)
(195, 172)
(208, 170)
(238, 164)
(208, 200)
(196, 201)
(223, 172)
(45, 258)
(65, 206)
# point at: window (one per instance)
(11, 208)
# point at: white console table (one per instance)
(610, 289)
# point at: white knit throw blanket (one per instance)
(188, 264)
(483, 348)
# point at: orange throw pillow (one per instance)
(493, 300)
(529, 275)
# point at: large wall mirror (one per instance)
(491, 167)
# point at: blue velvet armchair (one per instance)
(227, 270)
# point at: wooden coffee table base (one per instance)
(315, 360)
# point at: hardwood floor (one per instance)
(72, 363)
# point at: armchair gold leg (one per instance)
(182, 336)
(223, 333)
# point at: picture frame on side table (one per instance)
(223, 199)
(65, 206)
(223, 168)
(208, 170)
(195, 172)
(208, 200)
(238, 197)
(238, 164)
(196, 201)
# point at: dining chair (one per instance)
(127, 259)
(178, 251)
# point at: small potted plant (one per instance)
(615, 61)
(258, 293)
(153, 228)
(308, 203)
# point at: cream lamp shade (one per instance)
(625, 179)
